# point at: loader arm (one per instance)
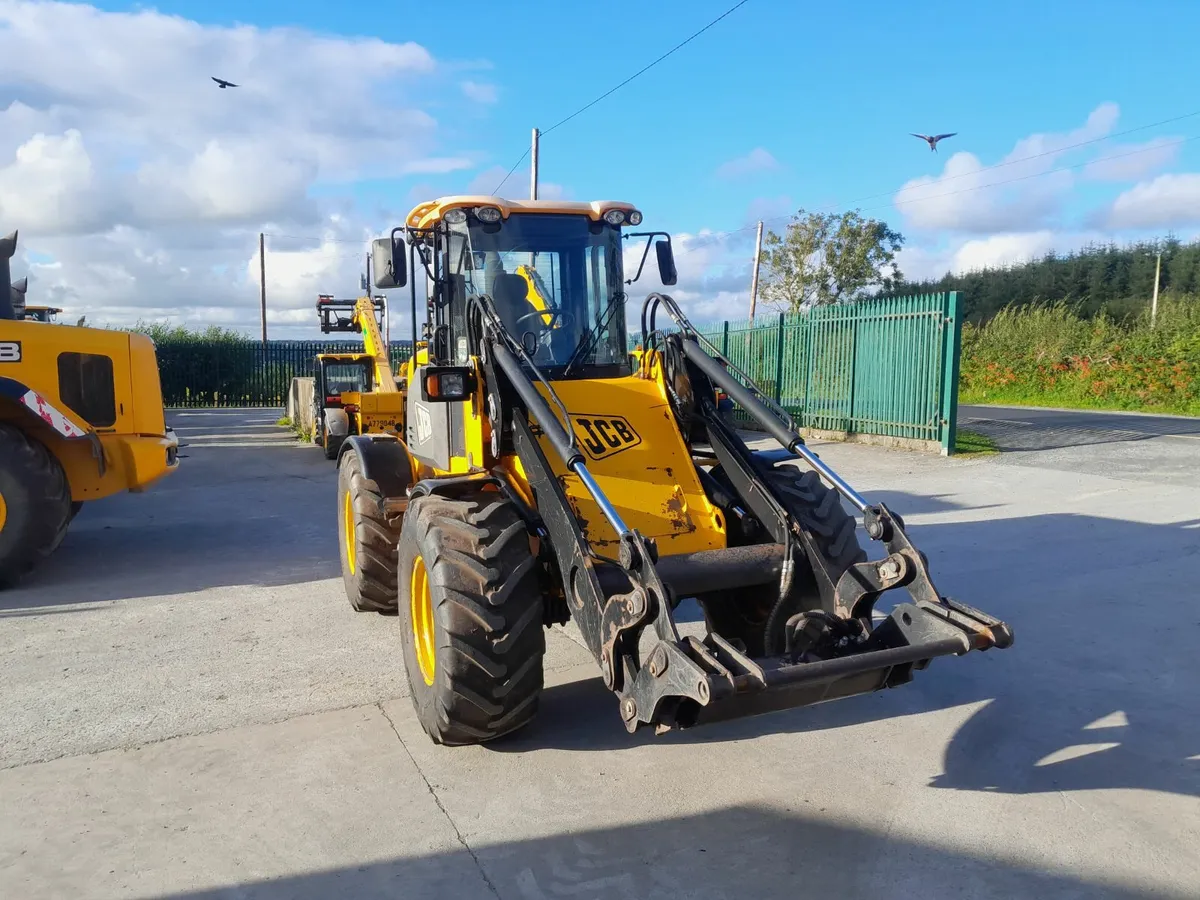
(374, 344)
(833, 650)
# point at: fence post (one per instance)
(779, 362)
(951, 361)
(725, 339)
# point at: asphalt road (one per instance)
(191, 709)
(1132, 446)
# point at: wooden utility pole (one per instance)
(1154, 298)
(754, 277)
(533, 173)
(262, 281)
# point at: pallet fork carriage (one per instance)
(547, 474)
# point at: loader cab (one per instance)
(554, 271)
(338, 375)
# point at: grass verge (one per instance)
(972, 443)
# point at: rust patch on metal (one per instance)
(675, 511)
(583, 522)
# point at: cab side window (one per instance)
(85, 384)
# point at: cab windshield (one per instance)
(348, 376)
(556, 281)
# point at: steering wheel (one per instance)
(568, 318)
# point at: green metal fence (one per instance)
(886, 367)
(224, 374)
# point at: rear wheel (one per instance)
(35, 504)
(749, 614)
(470, 617)
(368, 542)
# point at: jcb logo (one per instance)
(10, 351)
(605, 435)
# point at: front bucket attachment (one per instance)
(714, 681)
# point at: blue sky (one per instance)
(830, 90)
(779, 105)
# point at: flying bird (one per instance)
(933, 141)
(222, 83)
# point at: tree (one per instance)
(828, 258)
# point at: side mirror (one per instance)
(666, 262)
(388, 261)
(447, 384)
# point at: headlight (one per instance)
(614, 216)
(635, 217)
(488, 214)
(455, 216)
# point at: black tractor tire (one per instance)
(744, 614)
(37, 504)
(484, 610)
(332, 444)
(367, 542)
(76, 505)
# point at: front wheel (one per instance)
(753, 615)
(470, 617)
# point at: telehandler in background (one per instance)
(354, 393)
(81, 418)
(545, 473)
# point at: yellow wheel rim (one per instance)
(3, 512)
(348, 520)
(422, 619)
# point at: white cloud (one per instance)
(714, 275)
(480, 92)
(1129, 162)
(968, 197)
(145, 185)
(1166, 201)
(756, 161)
(1004, 249)
(993, 251)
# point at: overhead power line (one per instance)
(646, 68)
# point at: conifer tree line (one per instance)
(1097, 278)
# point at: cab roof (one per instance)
(424, 215)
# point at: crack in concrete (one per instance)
(438, 800)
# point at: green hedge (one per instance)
(1050, 355)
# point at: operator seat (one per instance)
(510, 292)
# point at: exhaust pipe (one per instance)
(8, 247)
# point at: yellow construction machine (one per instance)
(547, 474)
(81, 418)
(354, 393)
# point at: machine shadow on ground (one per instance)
(744, 851)
(1097, 692)
(230, 515)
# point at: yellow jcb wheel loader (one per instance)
(548, 474)
(81, 417)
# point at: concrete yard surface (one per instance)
(191, 709)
